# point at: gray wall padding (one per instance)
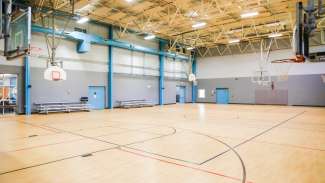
(70, 90)
(306, 90)
(141, 87)
(267, 96)
(241, 90)
(126, 87)
(134, 88)
(170, 91)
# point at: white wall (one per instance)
(135, 63)
(94, 60)
(244, 65)
(125, 61)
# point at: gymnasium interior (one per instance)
(162, 91)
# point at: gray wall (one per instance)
(241, 89)
(70, 90)
(170, 90)
(302, 89)
(306, 90)
(136, 87)
(125, 87)
(5, 69)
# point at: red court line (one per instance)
(185, 166)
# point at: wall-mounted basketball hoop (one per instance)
(192, 78)
(55, 73)
(261, 77)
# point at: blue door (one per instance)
(96, 97)
(181, 94)
(222, 95)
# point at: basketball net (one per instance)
(55, 72)
(262, 76)
(191, 75)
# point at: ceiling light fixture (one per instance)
(273, 35)
(199, 25)
(234, 41)
(83, 20)
(149, 37)
(249, 14)
(129, 1)
(190, 48)
(274, 24)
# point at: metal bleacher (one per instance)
(45, 108)
(126, 104)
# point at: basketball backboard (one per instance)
(18, 42)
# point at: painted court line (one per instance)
(185, 166)
(254, 137)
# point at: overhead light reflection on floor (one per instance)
(201, 111)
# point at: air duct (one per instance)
(6, 30)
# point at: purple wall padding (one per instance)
(277, 97)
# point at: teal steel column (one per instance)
(28, 110)
(161, 74)
(110, 70)
(194, 87)
(28, 107)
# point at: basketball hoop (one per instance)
(191, 77)
(261, 77)
(55, 73)
(297, 59)
(282, 67)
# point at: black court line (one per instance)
(146, 140)
(252, 138)
(58, 160)
(29, 136)
(135, 130)
(43, 145)
(116, 127)
(126, 146)
(164, 156)
(63, 142)
(79, 155)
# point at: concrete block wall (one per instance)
(135, 74)
(304, 84)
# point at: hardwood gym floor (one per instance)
(175, 143)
